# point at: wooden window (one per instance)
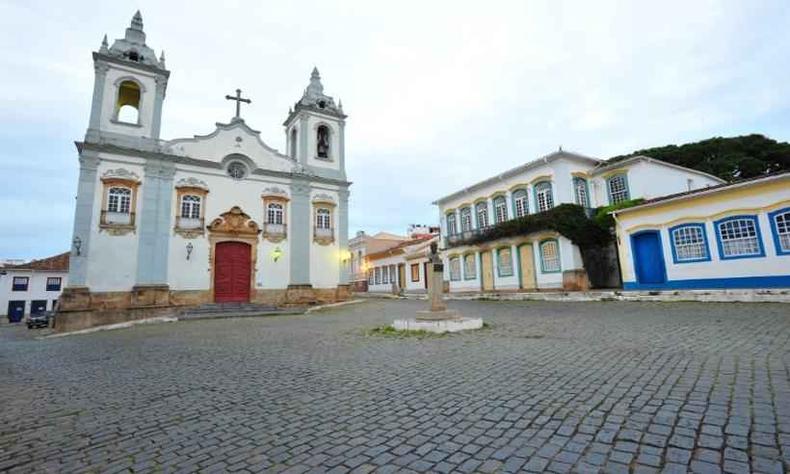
(470, 266)
(20, 283)
(618, 189)
(500, 209)
(118, 202)
(378, 275)
(455, 269)
(482, 215)
(274, 213)
(323, 233)
(452, 227)
(370, 277)
(689, 243)
(739, 237)
(466, 219)
(520, 203)
(550, 256)
(780, 225)
(415, 272)
(53, 283)
(580, 192)
(505, 262)
(544, 199)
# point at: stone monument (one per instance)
(438, 318)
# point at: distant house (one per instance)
(32, 287)
(402, 268)
(360, 246)
(728, 236)
(543, 259)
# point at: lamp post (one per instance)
(77, 244)
(190, 248)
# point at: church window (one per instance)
(500, 209)
(133, 56)
(190, 206)
(127, 110)
(119, 200)
(452, 228)
(323, 218)
(550, 256)
(505, 262)
(274, 213)
(482, 215)
(580, 192)
(520, 203)
(322, 141)
(292, 146)
(544, 200)
(237, 170)
(618, 189)
(321, 104)
(466, 219)
(689, 243)
(470, 267)
(739, 237)
(780, 223)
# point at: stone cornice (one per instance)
(121, 62)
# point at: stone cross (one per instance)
(238, 100)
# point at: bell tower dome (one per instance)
(314, 131)
(129, 89)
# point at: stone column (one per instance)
(154, 226)
(83, 218)
(342, 236)
(303, 140)
(300, 232)
(99, 84)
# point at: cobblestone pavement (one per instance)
(561, 387)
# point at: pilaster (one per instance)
(159, 98)
(99, 86)
(342, 235)
(303, 135)
(83, 217)
(153, 244)
(300, 232)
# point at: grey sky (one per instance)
(439, 94)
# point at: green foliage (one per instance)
(389, 331)
(568, 220)
(728, 158)
(602, 217)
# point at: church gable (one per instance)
(235, 138)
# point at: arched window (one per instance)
(505, 262)
(689, 243)
(466, 219)
(520, 204)
(739, 237)
(292, 147)
(482, 215)
(323, 219)
(580, 192)
(127, 109)
(119, 200)
(452, 227)
(470, 268)
(274, 213)
(322, 143)
(550, 256)
(500, 209)
(544, 200)
(617, 186)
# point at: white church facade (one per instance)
(221, 217)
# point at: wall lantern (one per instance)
(77, 244)
(277, 253)
(190, 248)
(345, 256)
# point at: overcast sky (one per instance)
(438, 94)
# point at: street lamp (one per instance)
(190, 248)
(77, 244)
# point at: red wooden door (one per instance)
(232, 269)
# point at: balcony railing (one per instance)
(274, 232)
(324, 235)
(119, 219)
(189, 223)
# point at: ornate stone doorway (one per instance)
(234, 248)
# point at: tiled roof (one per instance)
(395, 250)
(55, 263)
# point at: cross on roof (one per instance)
(238, 100)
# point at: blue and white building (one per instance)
(546, 259)
(728, 236)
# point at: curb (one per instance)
(332, 305)
(110, 327)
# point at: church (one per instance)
(216, 218)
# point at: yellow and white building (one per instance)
(543, 260)
(729, 236)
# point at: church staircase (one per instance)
(234, 310)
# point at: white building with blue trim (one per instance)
(545, 259)
(213, 218)
(729, 236)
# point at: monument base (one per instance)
(438, 325)
(438, 315)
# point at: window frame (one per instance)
(452, 223)
(329, 139)
(385, 275)
(128, 194)
(517, 195)
(626, 188)
(473, 258)
(109, 182)
(323, 218)
(191, 204)
(672, 244)
(455, 276)
(499, 202)
(465, 214)
(53, 287)
(276, 210)
(377, 276)
(586, 189)
(543, 259)
(482, 206)
(758, 235)
(19, 287)
(539, 188)
(499, 262)
(772, 216)
(415, 277)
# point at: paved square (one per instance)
(559, 387)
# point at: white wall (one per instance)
(36, 290)
(382, 262)
(325, 260)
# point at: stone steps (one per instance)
(234, 310)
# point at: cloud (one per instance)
(439, 94)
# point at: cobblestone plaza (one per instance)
(549, 386)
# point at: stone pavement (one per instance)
(560, 387)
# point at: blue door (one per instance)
(16, 311)
(648, 257)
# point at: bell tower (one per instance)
(314, 131)
(129, 89)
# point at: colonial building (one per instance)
(362, 245)
(402, 268)
(546, 259)
(729, 236)
(220, 217)
(32, 287)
